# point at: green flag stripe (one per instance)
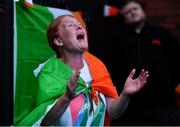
(32, 49)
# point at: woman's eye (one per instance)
(70, 25)
(135, 9)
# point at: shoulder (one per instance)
(54, 66)
(50, 63)
(93, 59)
(96, 66)
(41, 66)
(158, 28)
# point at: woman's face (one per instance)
(133, 13)
(72, 35)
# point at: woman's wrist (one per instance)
(67, 98)
(125, 95)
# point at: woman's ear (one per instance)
(58, 41)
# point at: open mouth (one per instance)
(80, 36)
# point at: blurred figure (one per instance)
(142, 45)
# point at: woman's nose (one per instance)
(78, 27)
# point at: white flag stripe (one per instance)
(29, 1)
(57, 12)
(106, 10)
(14, 49)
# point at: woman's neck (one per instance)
(75, 61)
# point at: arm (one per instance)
(116, 107)
(63, 102)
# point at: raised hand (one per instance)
(131, 85)
(72, 85)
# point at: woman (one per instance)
(74, 86)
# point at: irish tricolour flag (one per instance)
(31, 49)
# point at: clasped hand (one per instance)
(72, 85)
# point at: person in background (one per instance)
(143, 45)
(74, 87)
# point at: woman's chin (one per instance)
(82, 50)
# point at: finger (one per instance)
(141, 74)
(75, 76)
(146, 75)
(132, 73)
(76, 86)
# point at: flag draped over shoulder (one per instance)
(32, 21)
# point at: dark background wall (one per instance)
(6, 62)
(164, 12)
(101, 31)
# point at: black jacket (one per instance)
(154, 49)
